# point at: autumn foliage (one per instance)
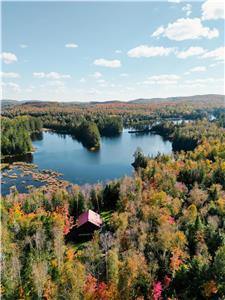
(163, 237)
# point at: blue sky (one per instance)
(86, 51)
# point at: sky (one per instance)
(99, 51)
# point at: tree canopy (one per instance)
(162, 238)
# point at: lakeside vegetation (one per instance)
(163, 234)
(89, 135)
(16, 134)
(110, 126)
(186, 136)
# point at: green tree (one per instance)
(89, 135)
(140, 161)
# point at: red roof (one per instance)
(89, 216)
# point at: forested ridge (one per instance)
(163, 234)
(67, 115)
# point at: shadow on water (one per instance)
(37, 136)
(114, 136)
(141, 133)
(28, 158)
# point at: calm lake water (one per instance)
(66, 155)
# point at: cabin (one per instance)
(89, 221)
(86, 224)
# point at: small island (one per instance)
(89, 135)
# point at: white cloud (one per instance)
(82, 80)
(187, 9)
(165, 76)
(203, 83)
(103, 85)
(97, 75)
(93, 92)
(101, 81)
(51, 75)
(115, 63)
(162, 79)
(8, 57)
(186, 29)
(213, 10)
(9, 75)
(13, 86)
(217, 54)
(192, 51)
(55, 86)
(192, 85)
(158, 31)
(204, 80)
(29, 89)
(198, 69)
(71, 45)
(118, 51)
(123, 74)
(217, 63)
(23, 46)
(146, 51)
(129, 88)
(55, 83)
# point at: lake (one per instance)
(66, 155)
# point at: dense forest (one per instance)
(162, 238)
(163, 229)
(86, 129)
(88, 123)
(110, 126)
(89, 135)
(186, 136)
(16, 134)
(67, 115)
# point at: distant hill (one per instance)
(39, 103)
(8, 102)
(107, 102)
(209, 97)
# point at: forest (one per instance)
(186, 136)
(64, 116)
(16, 134)
(163, 229)
(88, 123)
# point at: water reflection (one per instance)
(37, 136)
(23, 158)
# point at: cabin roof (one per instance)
(89, 216)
